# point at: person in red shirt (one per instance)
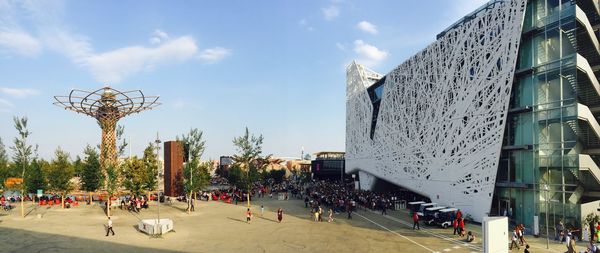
(458, 214)
(461, 227)
(455, 225)
(248, 215)
(416, 221)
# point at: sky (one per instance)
(276, 67)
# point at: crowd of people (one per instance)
(344, 198)
(133, 203)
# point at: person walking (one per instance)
(349, 209)
(248, 215)
(559, 231)
(514, 240)
(109, 227)
(279, 215)
(598, 232)
(461, 227)
(262, 210)
(320, 214)
(416, 221)
(330, 218)
(455, 225)
(570, 244)
(522, 234)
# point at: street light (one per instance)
(157, 141)
(189, 157)
(547, 233)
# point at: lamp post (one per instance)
(191, 176)
(23, 190)
(547, 233)
(157, 141)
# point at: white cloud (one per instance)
(5, 106)
(46, 18)
(340, 46)
(215, 54)
(304, 23)
(19, 92)
(370, 55)
(115, 65)
(19, 42)
(158, 36)
(331, 12)
(179, 103)
(75, 47)
(367, 27)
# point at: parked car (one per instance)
(431, 213)
(422, 208)
(415, 205)
(446, 217)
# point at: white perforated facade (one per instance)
(438, 125)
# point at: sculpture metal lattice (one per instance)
(108, 106)
(442, 113)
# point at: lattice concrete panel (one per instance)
(442, 114)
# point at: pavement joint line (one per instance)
(475, 247)
(394, 232)
(542, 248)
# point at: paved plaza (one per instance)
(221, 227)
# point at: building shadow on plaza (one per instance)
(18, 240)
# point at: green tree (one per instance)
(91, 174)
(249, 148)
(151, 166)
(277, 175)
(134, 175)
(78, 166)
(22, 153)
(60, 174)
(34, 177)
(4, 165)
(113, 181)
(235, 176)
(195, 174)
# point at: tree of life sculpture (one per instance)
(107, 106)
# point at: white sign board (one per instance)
(495, 234)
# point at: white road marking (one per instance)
(471, 246)
(394, 232)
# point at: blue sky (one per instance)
(274, 66)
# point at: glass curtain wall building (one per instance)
(551, 149)
(500, 111)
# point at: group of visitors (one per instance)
(518, 237)
(134, 203)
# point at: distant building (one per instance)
(173, 157)
(329, 165)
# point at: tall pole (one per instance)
(23, 191)
(248, 178)
(547, 234)
(157, 141)
(191, 177)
